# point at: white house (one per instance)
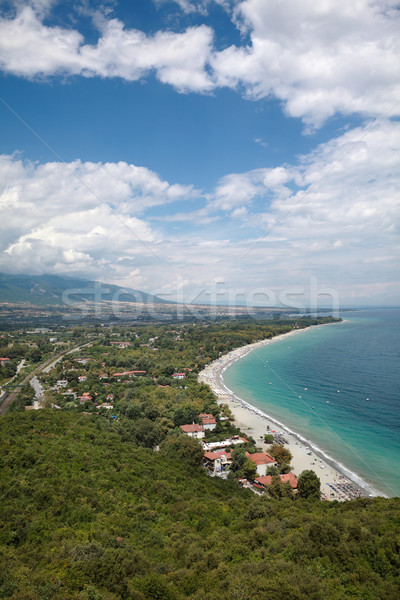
(179, 376)
(208, 421)
(194, 430)
(217, 461)
(262, 461)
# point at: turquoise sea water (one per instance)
(341, 365)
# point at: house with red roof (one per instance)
(179, 376)
(217, 461)
(209, 423)
(193, 430)
(130, 374)
(285, 478)
(262, 461)
(85, 397)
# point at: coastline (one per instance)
(337, 482)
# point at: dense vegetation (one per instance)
(86, 515)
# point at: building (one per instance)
(194, 430)
(178, 376)
(286, 478)
(85, 397)
(209, 423)
(233, 441)
(262, 461)
(130, 374)
(217, 461)
(62, 382)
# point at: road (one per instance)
(37, 386)
(9, 398)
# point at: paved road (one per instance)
(37, 386)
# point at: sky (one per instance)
(204, 150)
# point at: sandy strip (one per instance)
(256, 423)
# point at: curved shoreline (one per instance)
(346, 483)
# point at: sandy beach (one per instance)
(334, 484)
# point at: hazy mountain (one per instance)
(56, 289)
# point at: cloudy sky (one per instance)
(187, 147)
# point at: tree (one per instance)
(268, 438)
(272, 470)
(249, 469)
(238, 460)
(184, 447)
(277, 489)
(184, 415)
(309, 485)
(281, 454)
(48, 399)
(34, 355)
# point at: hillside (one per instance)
(55, 290)
(87, 516)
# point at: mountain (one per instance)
(57, 289)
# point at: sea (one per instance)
(338, 387)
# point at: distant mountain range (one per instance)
(55, 289)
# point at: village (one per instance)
(151, 382)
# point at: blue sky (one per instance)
(186, 148)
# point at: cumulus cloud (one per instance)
(29, 48)
(318, 58)
(333, 215)
(79, 217)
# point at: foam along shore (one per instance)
(336, 484)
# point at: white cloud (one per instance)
(29, 48)
(318, 58)
(334, 216)
(79, 217)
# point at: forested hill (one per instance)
(88, 516)
(57, 290)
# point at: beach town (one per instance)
(254, 422)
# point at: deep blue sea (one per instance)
(339, 387)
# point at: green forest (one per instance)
(100, 504)
(87, 515)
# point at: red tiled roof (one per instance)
(215, 455)
(265, 480)
(206, 421)
(287, 477)
(260, 458)
(128, 373)
(192, 428)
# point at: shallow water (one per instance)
(341, 366)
